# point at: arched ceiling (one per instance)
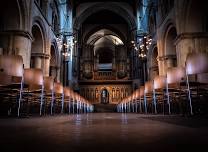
(109, 38)
(105, 13)
(104, 36)
(131, 3)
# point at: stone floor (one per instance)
(104, 132)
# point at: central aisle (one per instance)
(103, 132)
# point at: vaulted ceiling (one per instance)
(132, 3)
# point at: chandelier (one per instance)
(143, 44)
(65, 43)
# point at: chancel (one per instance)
(103, 75)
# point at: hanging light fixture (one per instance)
(144, 45)
(65, 43)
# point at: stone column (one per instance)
(19, 43)
(58, 78)
(37, 62)
(161, 63)
(170, 61)
(154, 71)
(165, 62)
(190, 42)
(46, 65)
(41, 61)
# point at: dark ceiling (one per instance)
(77, 2)
(105, 17)
(132, 3)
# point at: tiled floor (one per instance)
(104, 132)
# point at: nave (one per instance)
(104, 132)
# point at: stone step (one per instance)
(104, 108)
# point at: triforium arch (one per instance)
(170, 54)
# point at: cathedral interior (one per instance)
(103, 75)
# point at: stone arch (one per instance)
(23, 9)
(37, 47)
(12, 20)
(10, 16)
(105, 6)
(195, 17)
(169, 46)
(100, 27)
(39, 22)
(152, 20)
(180, 13)
(55, 18)
(14, 15)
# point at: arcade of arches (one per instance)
(89, 51)
(103, 44)
(103, 75)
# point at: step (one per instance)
(104, 107)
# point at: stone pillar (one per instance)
(165, 62)
(46, 66)
(41, 61)
(37, 62)
(190, 42)
(170, 61)
(22, 45)
(58, 71)
(18, 42)
(153, 71)
(161, 64)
